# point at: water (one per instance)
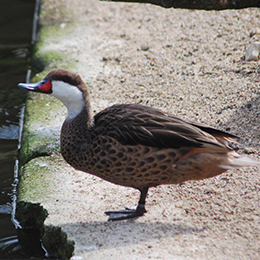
(16, 27)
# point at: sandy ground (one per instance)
(184, 62)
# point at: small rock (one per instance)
(254, 32)
(251, 34)
(252, 52)
(144, 47)
(63, 25)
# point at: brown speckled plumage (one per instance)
(111, 150)
(138, 146)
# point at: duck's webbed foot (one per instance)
(129, 213)
(126, 214)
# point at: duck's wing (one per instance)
(213, 131)
(136, 124)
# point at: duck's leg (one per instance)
(130, 213)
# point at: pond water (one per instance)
(16, 27)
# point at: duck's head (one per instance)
(65, 85)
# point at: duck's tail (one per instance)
(234, 160)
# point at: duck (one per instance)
(135, 145)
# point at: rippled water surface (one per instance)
(16, 22)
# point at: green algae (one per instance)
(34, 233)
(47, 54)
(40, 144)
(31, 215)
(35, 145)
(36, 179)
(56, 243)
(41, 128)
(37, 184)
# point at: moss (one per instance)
(43, 119)
(34, 146)
(33, 233)
(37, 184)
(40, 135)
(36, 179)
(47, 55)
(31, 215)
(40, 61)
(39, 106)
(57, 244)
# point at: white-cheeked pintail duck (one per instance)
(135, 145)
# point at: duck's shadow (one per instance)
(245, 121)
(96, 235)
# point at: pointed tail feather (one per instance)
(237, 161)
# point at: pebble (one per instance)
(144, 47)
(252, 52)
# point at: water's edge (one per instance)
(21, 222)
(15, 47)
(36, 239)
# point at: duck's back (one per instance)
(134, 124)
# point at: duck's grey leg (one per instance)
(130, 213)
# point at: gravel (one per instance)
(189, 63)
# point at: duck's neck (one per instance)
(78, 127)
(75, 137)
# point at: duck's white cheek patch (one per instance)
(66, 92)
(70, 96)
